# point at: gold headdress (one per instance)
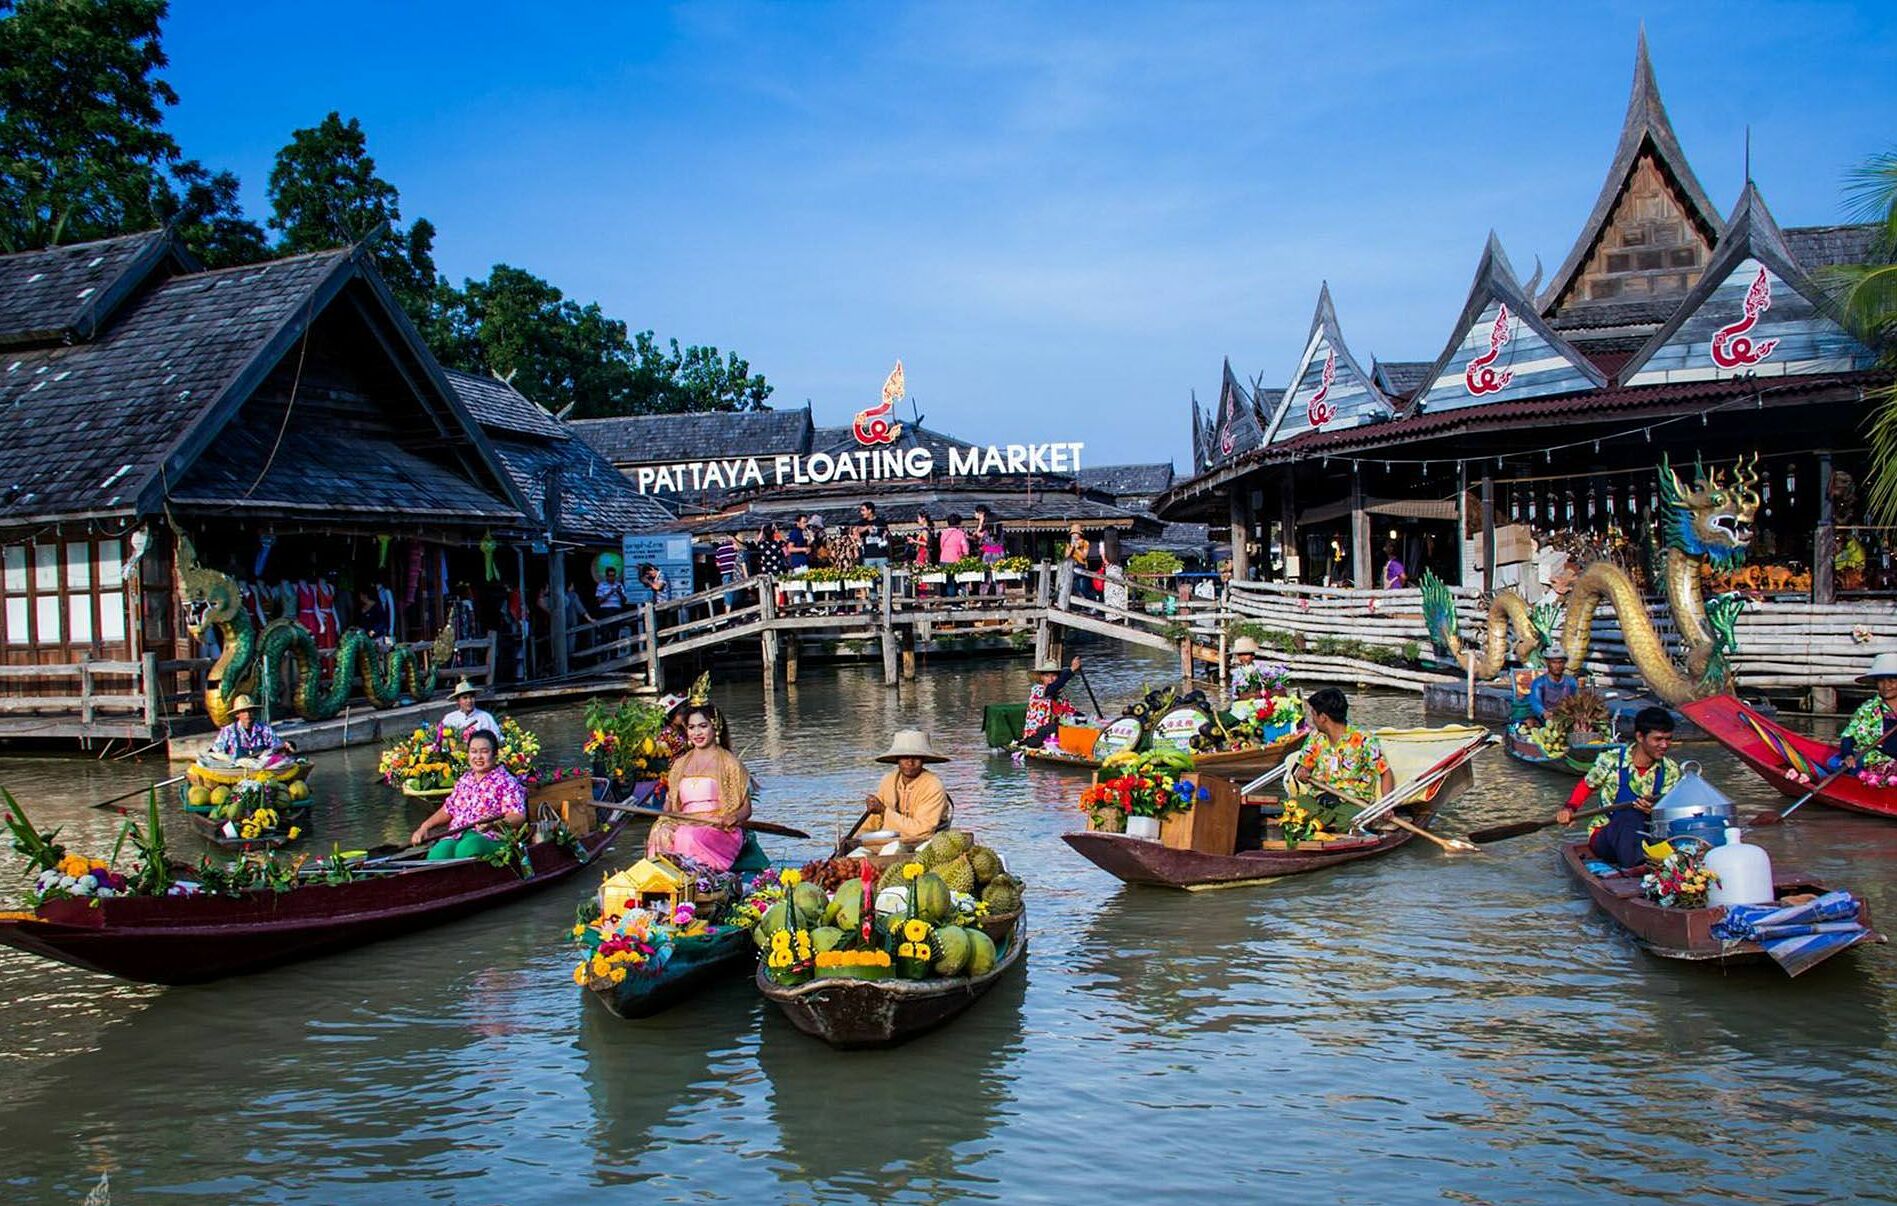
(701, 690)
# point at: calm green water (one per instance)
(1418, 1028)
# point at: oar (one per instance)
(1091, 697)
(1483, 837)
(755, 826)
(1769, 817)
(139, 791)
(1267, 779)
(1453, 845)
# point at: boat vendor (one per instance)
(1246, 679)
(1871, 737)
(1631, 778)
(486, 792)
(707, 783)
(1341, 755)
(466, 717)
(1550, 687)
(246, 740)
(910, 800)
(1050, 679)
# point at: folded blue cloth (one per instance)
(1797, 937)
(1600, 868)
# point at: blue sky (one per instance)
(1061, 218)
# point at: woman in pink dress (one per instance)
(707, 782)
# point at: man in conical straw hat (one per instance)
(245, 741)
(1870, 740)
(466, 716)
(910, 800)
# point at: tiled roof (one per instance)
(63, 294)
(1401, 378)
(498, 406)
(596, 500)
(88, 425)
(651, 439)
(1603, 315)
(1127, 479)
(1827, 246)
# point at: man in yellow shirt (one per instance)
(910, 800)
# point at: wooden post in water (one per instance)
(148, 678)
(767, 640)
(1359, 533)
(907, 636)
(655, 672)
(887, 624)
(1488, 533)
(791, 649)
(1288, 522)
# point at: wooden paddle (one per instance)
(755, 826)
(139, 791)
(843, 843)
(1094, 699)
(1452, 845)
(1483, 837)
(1769, 817)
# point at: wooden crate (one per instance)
(1211, 827)
(570, 799)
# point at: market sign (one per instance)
(1122, 734)
(1178, 727)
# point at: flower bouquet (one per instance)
(427, 762)
(623, 741)
(1678, 880)
(1298, 825)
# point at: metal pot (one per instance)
(1691, 808)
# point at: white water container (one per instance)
(1744, 871)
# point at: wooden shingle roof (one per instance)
(65, 294)
(1830, 246)
(498, 406)
(656, 439)
(1118, 480)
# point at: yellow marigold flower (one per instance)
(911, 870)
(923, 951)
(791, 878)
(915, 929)
(295, 832)
(579, 974)
(780, 941)
(619, 975)
(579, 928)
(600, 966)
(907, 950)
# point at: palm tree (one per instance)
(1868, 295)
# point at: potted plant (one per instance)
(1011, 569)
(1146, 793)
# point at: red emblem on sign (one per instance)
(1317, 409)
(1480, 377)
(872, 426)
(1731, 348)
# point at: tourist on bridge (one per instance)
(1077, 550)
(872, 537)
(246, 740)
(1871, 737)
(485, 793)
(1043, 719)
(1340, 760)
(708, 785)
(1631, 778)
(1550, 687)
(797, 543)
(910, 800)
(467, 717)
(951, 546)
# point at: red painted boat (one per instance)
(1674, 933)
(191, 939)
(1732, 724)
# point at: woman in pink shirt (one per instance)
(951, 546)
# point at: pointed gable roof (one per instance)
(1235, 428)
(1646, 137)
(66, 294)
(1201, 458)
(1754, 313)
(1330, 390)
(1501, 350)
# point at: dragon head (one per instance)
(210, 598)
(1712, 518)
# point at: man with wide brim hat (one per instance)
(467, 717)
(245, 738)
(1550, 687)
(1869, 742)
(911, 799)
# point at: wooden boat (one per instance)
(1771, 750)
(851, 1013)
(1578, 760)
(1674, 933)
(229, 776)
(211, 830)
(1412, 755)
(191, 939)
(1251, 761)
(425, 793)
(695, 962)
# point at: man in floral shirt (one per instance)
(1343, 756)
(1631, 779)
(1867, 740)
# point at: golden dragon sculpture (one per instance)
(1707, 522)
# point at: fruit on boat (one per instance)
(809, 901)
(932, 898)
(825, 938)
(1002, 896)
(199, 797)
(770, 923)
(985, 863)
(957, 874)
(299, 790)
(981, 952)
(952, 950)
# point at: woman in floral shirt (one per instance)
(485, 793)
(1343, 756)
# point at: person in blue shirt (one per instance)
(797, 543)
(1549, 687)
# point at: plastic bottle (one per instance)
(1744, 871)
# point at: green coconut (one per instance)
(770, 923)
(846, 908)
(932, 898)
(825, 938)
(952, 950)
(981, 952)
(810, 902)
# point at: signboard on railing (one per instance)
(667, 556)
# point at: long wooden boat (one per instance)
(1251, 761)
(1578, 760)
(1674, 933)
(1411, 754)
(1763, 744)
(695, 962)
(191, 939)
(882, 1013)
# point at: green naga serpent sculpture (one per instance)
(1711, 521)
(252, 662)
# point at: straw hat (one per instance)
(911, 743)
(1884, 665)
(1554, 653)
(464, 687)
(1050, 666)
(243, 703)
(1244, 644)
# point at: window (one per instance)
(79, 619)
(78, 565)
(111, 569)
(111, 617)
(46, 567)
(17, 631)
(46, 626)
(15, 561)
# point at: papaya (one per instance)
(981, 952)
(952, 950)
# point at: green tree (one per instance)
(1868, 294)
(203, 208)
(324, 192)
(81, 119)
(695, 379)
